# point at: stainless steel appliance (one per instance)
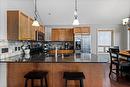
(82, 43)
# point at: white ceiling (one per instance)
(60, 12)
(89, 11)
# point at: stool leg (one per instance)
(41, 82)
(32, 83)
(46, 82)
(81, 83)
(26, 81)
(65, 83)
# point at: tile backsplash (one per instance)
(10, 48)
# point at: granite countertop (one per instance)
(68, 58)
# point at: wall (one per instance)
(119, 34)
(118, 31)
(3, 6)
(3, 75)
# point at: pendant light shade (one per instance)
(35, 22)
(125, 21)
(76, 21)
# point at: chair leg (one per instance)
(110, 70)
(121, 71)
(117, 72)
(26, 83)
(81, 83)
(46, 82)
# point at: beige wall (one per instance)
(3, 75)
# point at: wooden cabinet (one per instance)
(62, 34)
(61, 51)
(12, 25)
(69, 35)
(81, 30)
(77, 30)
(19, 26)
(24, 30)
(32, 29)
(55, 35)
(41, 29)
(40, 33)
(128, 28)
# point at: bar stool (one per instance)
(74, 76)
(36, 75)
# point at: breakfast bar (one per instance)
(94, 70)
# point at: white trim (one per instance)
(128, 40)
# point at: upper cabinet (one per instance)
(24, 27)
(82, 30)
(32, 30)
(62, 34)
(19, 26)
(40, 33)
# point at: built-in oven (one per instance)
(39, 36)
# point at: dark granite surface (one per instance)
(70, 58)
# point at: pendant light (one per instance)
(35, 22)
(76, 21)
(125, 21)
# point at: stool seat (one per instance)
(32, 75)
(73, 75)
(36, 74)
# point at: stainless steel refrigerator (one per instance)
(82, 43)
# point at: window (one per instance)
(104, 40)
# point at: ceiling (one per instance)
(60, 12)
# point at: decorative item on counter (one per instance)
(56, 52)
(25, 49)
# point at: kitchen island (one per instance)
(93, 69)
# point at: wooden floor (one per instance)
(111, 82)
(96, 74)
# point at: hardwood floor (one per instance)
(97, 74)
(123, 82)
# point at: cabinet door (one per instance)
(69, 34)
(12, 25)
(55, 35)
(77, 30)
(85, 30)
(24, 29)
(62, 34)
(32, 29)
